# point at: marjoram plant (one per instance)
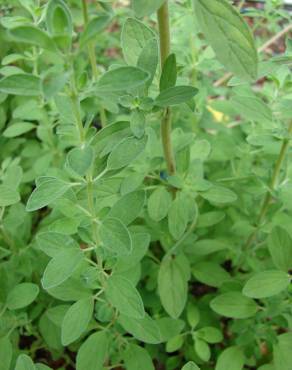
(137, 229)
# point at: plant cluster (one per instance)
(145, 206)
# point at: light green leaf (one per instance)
(129, 207)
(135, 36)
(18, 128)
(219, 194)
(172, 287)
(266, 284)
(115, 236)
(231, 358)
(33, 36)
(190, 366)
(76, 320)
(229, 36)
(146, 7)
(146, 330)
(209, 334)
(122, 79)
(24, 363)
(122, 294)
(159, 203)
(148, 59)
(136, 355)
(282, 352)
(46, 193)
(93, 29)
(80, 159)
(210, 273)
(178, 216)
(126, 152)
(169, 73)
(137, 123)
(92, 353)
(8, 196)
(61, 267)
(5, 353)
(174, 343)
(202, 350)
(207, 246)
(175, 95)
(52, 243)
(252, 108)
(21, 84)
(22, 295)
(58, 18)
(280, 248)
(235, 305)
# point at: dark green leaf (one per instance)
(169, 73)
(231, 358)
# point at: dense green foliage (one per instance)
(145, 209)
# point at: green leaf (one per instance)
(61, 267)
(174, 343)
(115, 236)
(136, 355)
(146, 7)
(210, 273)
(252, 108)
(135, 36)
(209, 334)
(21, 84)
(122, 294)
(51, 243)
(169, 73)
(8, 196)
(146, 330)
(178, 216)
(76, 320)
(148, 59)
(33, 36)
(229, 36)
(220, 195)
(93, 29)
(80, 159)
(190, 366)
(169, 327)
(88, 357)
(207, 246)
(172, 287)
(231, 358)
(175, 95)
(122, 79)
(126, 152)
(46, 193)
(6, 351)
(282, 352)
(266, 284)
(137, 123)
(159, 203)
(235, 305)
(22, 295)
(202, 350)
(24, 363)
(42, 367)
(18, 128)
(129, 207)
(58, 18)
(280, 248)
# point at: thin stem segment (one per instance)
(274, 182)
(164, 37)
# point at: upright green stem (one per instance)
(76, 109)
(91, 51)
(274, 181)
(92, 58)
(164, 37)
